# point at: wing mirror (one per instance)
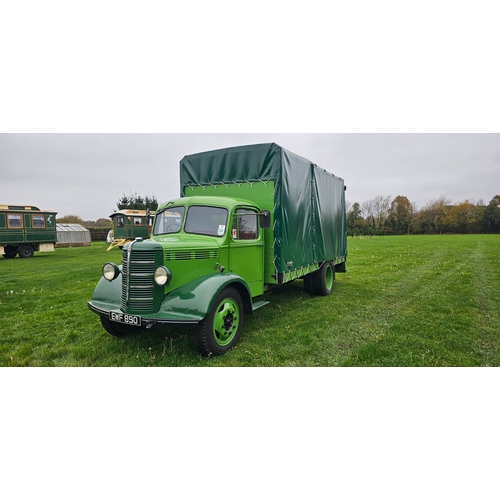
(265, 219)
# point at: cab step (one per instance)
(259, 303)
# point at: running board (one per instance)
(259, 303)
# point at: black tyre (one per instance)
(321, 282)
(117, 329)
(220, 330)
(10, 252)
(26, 251)
(309, 283)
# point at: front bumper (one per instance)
(148, 322)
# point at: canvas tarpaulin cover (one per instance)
(308, 203)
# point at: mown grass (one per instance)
(405, 301)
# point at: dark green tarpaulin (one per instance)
(308, 203)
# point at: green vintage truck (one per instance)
(25, 229)
(249, 218)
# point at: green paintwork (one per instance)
(190, 303)
(226, 321)
(127, 229)
(307, 208)
(307, 202)
(107, 294)
(146, 257)
(195, 299)
(329, 278)
(242, 257)
(261, 194)
(29, 232)
(195, 262)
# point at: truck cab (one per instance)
(201, 248)
(209, 234)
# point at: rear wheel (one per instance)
(220, 330)
(26, 251)
(321, 281)
(309, 283)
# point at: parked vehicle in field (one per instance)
(25, 229)
(129, 224)
(249, 218)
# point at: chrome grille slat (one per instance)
(139, 280)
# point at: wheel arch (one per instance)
(245, 296)
(197, 297)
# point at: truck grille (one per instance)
(140, 281)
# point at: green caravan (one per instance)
(249, 218)
(129, 224)
(25, 229)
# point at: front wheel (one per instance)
(220, 330)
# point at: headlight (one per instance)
(162, 276)
(110, 271)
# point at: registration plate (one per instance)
(127, 319)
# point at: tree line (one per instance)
(381, 215)
(377, 216)
(134, 201)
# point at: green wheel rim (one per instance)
(226, 322)
(329, 278)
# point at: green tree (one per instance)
(431, 219)
(401, 213)
(137, 202)
(491, 216)
(69, 219)
(354, 220)
(460, 217)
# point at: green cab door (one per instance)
(246, 249)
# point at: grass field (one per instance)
(405, 301)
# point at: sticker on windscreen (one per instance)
(221, 230)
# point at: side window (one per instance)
(245, 226)
(137, 221)
(119, 221)
(38, 221)
(14, 221)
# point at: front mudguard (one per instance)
(108, 294)
(196, 298)
(187, 304)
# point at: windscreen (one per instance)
(211, 221)
(169, 221)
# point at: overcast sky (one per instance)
(265, 66)
(175, 67)
(86, 174)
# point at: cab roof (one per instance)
(210, 201)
